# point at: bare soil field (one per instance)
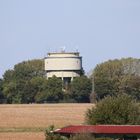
(28, 121)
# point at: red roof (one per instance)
(100, 129)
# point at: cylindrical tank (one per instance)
(63, 61)
(63, 64)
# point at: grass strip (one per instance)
(22, 129)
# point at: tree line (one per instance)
(26, 83)
(116, 77)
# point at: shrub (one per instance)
(51, 136)
(82, 137)
(121, 109)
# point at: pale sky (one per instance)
(99, 29)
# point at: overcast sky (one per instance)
(99, 29)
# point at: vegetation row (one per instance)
(26, 83)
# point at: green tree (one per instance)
(9, 90)
(80, 89)
(110, 77)
(29, 69)
(8, 76)
(2, 98)
(131, 85)
(18, 84)
(52, 91)
(115, 110)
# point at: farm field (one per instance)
(19, 122)
(22, 136)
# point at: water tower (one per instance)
(65, 65)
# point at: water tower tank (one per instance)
(65, 65)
